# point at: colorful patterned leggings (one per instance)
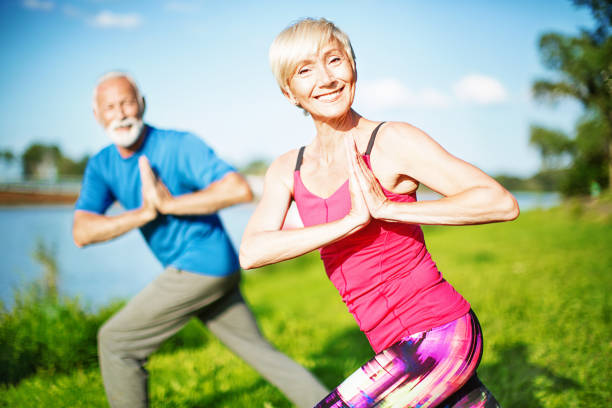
(435, 368)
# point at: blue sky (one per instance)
(460, 70)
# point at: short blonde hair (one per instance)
(300, 39)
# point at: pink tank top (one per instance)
(384, 273)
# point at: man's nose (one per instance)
(120, 111)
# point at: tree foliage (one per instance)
(38, 155)
(256, 167)
(7, 155)
(552, 144)
(583, 65)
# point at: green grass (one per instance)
(540, 285)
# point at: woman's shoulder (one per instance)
(286, 161)
(399, 129)
(282, 167)
(395, 134)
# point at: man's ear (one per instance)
(96, 114)
(143, 106)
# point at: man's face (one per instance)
(118, 111)
(116, 100)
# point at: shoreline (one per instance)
(18, 198)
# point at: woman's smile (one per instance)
(330, 96)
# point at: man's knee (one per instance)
(108, 337)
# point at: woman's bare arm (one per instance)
(263, 241)
(469, 195)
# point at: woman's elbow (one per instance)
(246, 261)
(509, 208)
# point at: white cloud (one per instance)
(43, 5)
(108, 19)
(480, 89)
(432, 98)
(181, 6)
(391, 93)
(384, 93)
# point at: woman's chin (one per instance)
(329, 113)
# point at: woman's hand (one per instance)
(359, 212)
(371, 191)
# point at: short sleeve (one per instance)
(199, 164)
(95, 195)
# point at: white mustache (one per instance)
(117, 123)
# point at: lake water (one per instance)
(115, 269)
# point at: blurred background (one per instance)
(461, 71)
(486, 79)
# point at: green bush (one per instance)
(46, 333)
(52, 334)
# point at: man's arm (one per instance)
(89, 228)
(229, 190)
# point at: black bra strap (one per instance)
(371, 143)
(298, 162)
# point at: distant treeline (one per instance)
(41, 161)
(549, 180)
(45, 161)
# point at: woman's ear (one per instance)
(289, 95)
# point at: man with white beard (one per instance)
(171, 184)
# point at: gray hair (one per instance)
(117, 74)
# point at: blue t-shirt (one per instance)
(184, 163)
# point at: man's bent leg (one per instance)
(231, 320)
(127, 339)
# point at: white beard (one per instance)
(124, 138)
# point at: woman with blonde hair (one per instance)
(355, 189)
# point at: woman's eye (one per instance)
(334, 59)
(303, 71)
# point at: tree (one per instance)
(553, 146)
(584, 67)
(6, 155)
(256, 167)
(48, 161)
(68, 167)
(37, 156)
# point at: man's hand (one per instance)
(155, 194)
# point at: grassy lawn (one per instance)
(541, 287)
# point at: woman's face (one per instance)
(324, 83)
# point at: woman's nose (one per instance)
(326, 76)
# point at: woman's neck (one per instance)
(330, 134)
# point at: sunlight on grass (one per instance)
(540, 285)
